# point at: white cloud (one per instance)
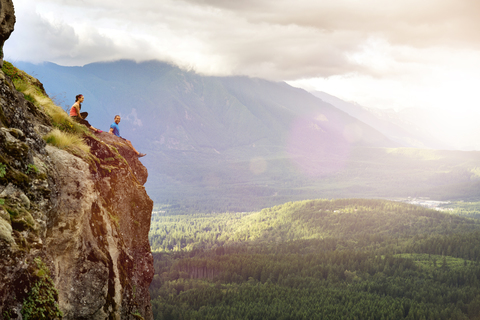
(270, 39)
(379, 53)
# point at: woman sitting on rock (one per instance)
(80, 116)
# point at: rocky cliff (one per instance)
(7, 23)
(73, 224)
(81, 220)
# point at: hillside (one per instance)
(317, 259)
(240, 144)
(346, 220)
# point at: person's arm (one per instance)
(110, 131)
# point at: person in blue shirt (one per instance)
(115, 130)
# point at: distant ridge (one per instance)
(390, 123)
(240, 144)
(218, 112)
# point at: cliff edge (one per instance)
(74, 221)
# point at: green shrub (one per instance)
(42, 298)
(30, 98)
(10, 70)
(3, 170)
(31, 168)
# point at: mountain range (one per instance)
(416, 127)
(397, 126)
(239, 143)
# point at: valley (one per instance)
(316, 259)
(366, 172)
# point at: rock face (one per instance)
(7, 22)
(75, 225)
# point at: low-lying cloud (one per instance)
(278, 40)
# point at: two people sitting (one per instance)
(114, 128)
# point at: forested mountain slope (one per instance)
(346, 220)
(319, 259)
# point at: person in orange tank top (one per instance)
(80, 116)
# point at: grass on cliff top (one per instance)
(66, 141)
(68, 133)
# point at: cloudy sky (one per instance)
(378, 53)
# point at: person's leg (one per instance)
(131, 146)
(95, 129)
(138, 153)
(86, 124)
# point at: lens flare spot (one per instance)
(317, 148)
(321, 117)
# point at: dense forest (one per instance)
(319, 259)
